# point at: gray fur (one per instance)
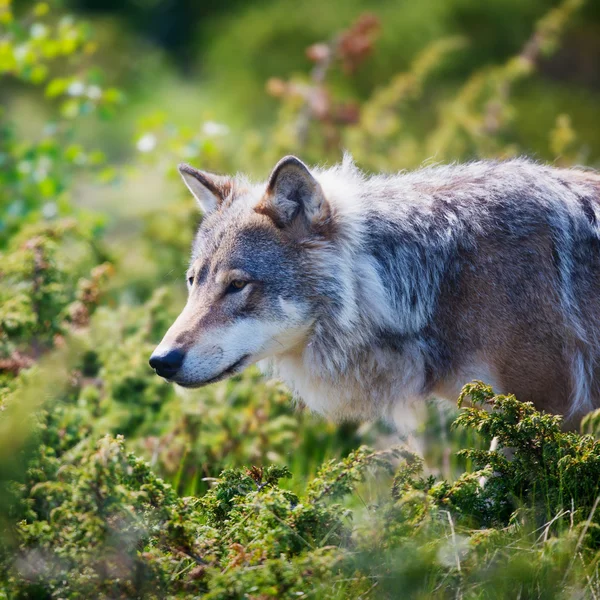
(416, 282)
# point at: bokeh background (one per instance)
(99, 101)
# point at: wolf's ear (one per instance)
(209, 190)
(292, 193)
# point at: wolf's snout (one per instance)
(167, 365)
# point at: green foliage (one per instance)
(114, 484)
(475, 122)
(94, 520)
(40, 48)
(556, 470)
(529, 530)
(91, 519)
(42, 287)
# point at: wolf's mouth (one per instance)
(230, 370)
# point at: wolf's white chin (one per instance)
(235, 368)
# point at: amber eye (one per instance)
(236, 285)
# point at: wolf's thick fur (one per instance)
(367, 293)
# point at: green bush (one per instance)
(92, 519)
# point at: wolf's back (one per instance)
(500, 264)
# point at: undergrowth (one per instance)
(91, 519)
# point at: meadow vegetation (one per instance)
(115, 485)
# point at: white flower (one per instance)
(76, 88)
(147, 143)
(21, 52)
(24, 167)
(49, 210)
(94, 92)
(212, 128)
(38, 31)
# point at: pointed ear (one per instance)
(209, 190)
(292, 194)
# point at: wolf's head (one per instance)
(251, 288)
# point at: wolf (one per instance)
(367, 294)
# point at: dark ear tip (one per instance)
(187, 169)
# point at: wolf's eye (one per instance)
(236, 285)
(191, 280)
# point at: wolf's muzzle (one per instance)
(167, 365)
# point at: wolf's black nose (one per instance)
(167, 365)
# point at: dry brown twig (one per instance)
(351, 47)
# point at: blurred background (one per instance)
(99, 101)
